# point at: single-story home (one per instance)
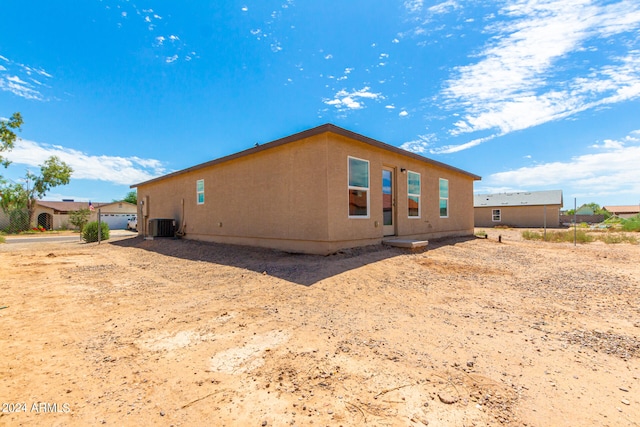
(317, 191)
(55, 215)
(519, 209)
(628, 211)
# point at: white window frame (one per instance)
(443, 198)
(498, 215)
(418, 195)
(353, 187)
(199, 192)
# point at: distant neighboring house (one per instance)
(585, 210)
(628, 211)
(521, 209)
(55, 215)
(316, 191)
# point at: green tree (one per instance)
(53, 172)
(17, 197)
(8, 136)
(131, 197)
(13, 201)
(597, 210)
(79, 218)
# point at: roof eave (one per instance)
(327, 127)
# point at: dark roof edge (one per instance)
(327, 127)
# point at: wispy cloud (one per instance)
(425, 144)
(114, 169)
(353, 100)
(612, 168)
(413, 6)
(444, 7)
(23, 80)
(523, 79)
(269, 29)
(421, 144)
(170, 47)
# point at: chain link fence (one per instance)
(14, 221)
(17, 221)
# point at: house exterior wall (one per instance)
(273, 198)
(518, 216)
(294, 197)
(346, 232)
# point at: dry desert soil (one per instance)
(468, 332)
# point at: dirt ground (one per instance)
(469, 332)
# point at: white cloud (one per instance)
(444, 7)
(413, 6)
(403, 113)
(420, 145)
(244, 8)
(517, 84)
(118, 170)
(19, 79)
(353, 100)
(170, 59)
(448, 149)
(612, 169)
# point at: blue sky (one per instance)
(529, 94)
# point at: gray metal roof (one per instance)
(525, 198)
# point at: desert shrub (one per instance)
(2, 240)
(90, 232)
(612, 238)
(481, 233)
(631, 224)
(559, 236)
(30, 231)
(531, 235)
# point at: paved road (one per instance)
(66, 238)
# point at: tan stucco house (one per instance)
(519, 209)
(317, 191)
(627, 211)
(54, 215)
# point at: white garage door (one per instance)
(116, 221)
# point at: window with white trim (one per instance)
(413, 194)
(444, 198)
(496, 215)
(358, 187)
(200, 191)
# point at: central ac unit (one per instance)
(162, 227)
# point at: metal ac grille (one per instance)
(161, 227)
